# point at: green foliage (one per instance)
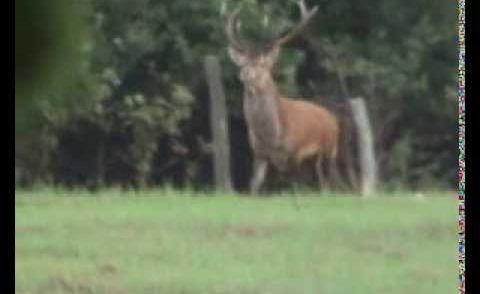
(401, 57)
(138, 74)
(51, 49)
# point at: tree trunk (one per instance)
(44, 173)
(144, 148)
(100, 162)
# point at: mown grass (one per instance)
(180, 242)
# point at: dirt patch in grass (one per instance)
(108, 269)
(130, 227)
(60, 283)
(247, 231)
(381, 249)
(437, 231)
(374, 244)
(30, 230)
(63, 284)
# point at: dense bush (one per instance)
(137, 113)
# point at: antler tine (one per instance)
(303, 7)
(306, 15)
(232, 21)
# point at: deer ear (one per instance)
(271, 57)
(238, 57)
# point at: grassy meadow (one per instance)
(174, 242)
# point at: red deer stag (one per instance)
(280, 129)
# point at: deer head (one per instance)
(256, 62)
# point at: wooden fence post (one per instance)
(368, 165)
(218, 124)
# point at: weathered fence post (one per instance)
(368, 165)
(218, 123)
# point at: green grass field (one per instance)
(180, 242)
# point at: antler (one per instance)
(306, 15)
(232, 22)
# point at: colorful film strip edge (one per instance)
(461, 142)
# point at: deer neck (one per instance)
(262, 111)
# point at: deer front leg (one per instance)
(321, 176)
(260, 167)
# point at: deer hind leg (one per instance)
(322, 180)
(260, 167)
(334, 173)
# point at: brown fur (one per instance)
(280, 129)
(310, 130)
